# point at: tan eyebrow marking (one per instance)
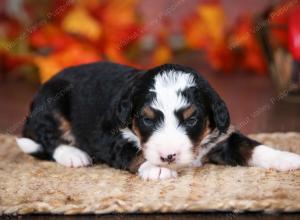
(147, 111)
(188, 112)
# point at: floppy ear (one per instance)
(123, 105)
(123, 109)
(120, 111)
(219, 112)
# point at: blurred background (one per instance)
(248, 50)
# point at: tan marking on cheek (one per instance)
(136, 162)
(136, 129)
(203, 134)
(188, 112)
(148, 112)
(139, 159)
(137, 132)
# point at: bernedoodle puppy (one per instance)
(153, 122)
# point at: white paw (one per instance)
(287, 161)
(70, 156)
(267, 157)
(148, 171)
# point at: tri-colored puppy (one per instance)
(153, 122)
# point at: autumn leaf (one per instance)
(50, 36)
(205, 27)
(79, 21)
(72, 55)
(162, 54)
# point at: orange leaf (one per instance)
(73, 55)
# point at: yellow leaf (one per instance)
(47, 68)
(79, 21)
(162, 55)
(212, 17)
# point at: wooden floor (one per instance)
(253, 103)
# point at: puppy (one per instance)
(153, 122)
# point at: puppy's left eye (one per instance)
(191, 122)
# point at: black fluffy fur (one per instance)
(100, 98)
(235, 150)
(91, 93)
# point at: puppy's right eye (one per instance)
(148, 122)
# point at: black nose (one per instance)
(170, 158)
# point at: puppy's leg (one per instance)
(241, 150)
(267, 157)
(48, 137)
(47, 133)
(50, 142)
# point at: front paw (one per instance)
(147, 171)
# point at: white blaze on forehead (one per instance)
(166, 87)
(169, 138)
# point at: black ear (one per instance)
(120, 111)
(123, 109)
(220, 113)
(217, 107)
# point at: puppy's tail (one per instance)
(31, 147)
(28, 146)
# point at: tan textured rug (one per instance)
(31, 186)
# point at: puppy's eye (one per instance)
(147, 122)
(191, 122)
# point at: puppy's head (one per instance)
(171, 109)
